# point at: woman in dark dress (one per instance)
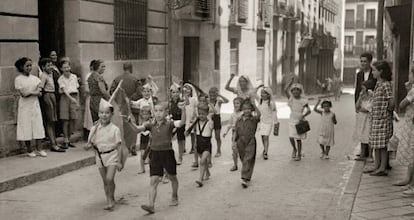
(98, 88)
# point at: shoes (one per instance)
(195, 165)
(234, 168)
(179, 162)
(64, 146)
(379, 173)
(369, 170)
(360, 159)
(192, 151)
(174, 202)
(326, 157)
(298, 158)
(294, 154)
(70, 145)
(57, 149)
(218, 154)
(42, 153)
(409, 191)
(401, 183)
(31, 154)
(210, 165)
(149, 209)
(265, 156)
(199, 183)
(244, 183)
(322, 155)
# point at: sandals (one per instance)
(265, 156)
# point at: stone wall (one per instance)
(18, 38)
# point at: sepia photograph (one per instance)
(207, 109)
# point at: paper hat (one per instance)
(147, 86)
(103, 104)
(268, 90)
(174, 87)
(296, 86)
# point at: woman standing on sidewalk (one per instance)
(98, 88)
(29, 116)
(382, 116)
(405, 135)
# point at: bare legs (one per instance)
(155, 180)
(108, 176)
(181, 148)
(265, 140)
(297, 148)
(204, 171)
(218, 140)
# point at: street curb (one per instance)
(31, 178)
(346, 202)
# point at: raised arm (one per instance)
(224, 99)
(307, 111)
(316, 109)
(228, 88)
(286, 90)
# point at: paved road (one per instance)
(281, 188)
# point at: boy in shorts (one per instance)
(162, 154)
(69, 101)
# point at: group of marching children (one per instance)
(198, 117)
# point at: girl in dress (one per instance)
(215, 101)
(405, 136)
(29, 116)
(105, 138)
(145, 114)
(299, 109)
(176, 113)
(191, 102)
(237, 102)
(326, 138)
(363, 119)
(268, 117)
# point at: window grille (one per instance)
(130, 26)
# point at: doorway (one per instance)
(51, 27)
(191, 60)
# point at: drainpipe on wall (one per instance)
(167, 53)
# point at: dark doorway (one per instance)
(191, 60)
(51, 27)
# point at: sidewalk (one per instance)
(20, 170)
(377, 198)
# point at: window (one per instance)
(234, 56)
(370, 22)
(349, 44)
(130, 29)
(350, 19)
(370, 44)
(260, 60)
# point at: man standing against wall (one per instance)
(364, 74)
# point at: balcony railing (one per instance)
(359, 24)
(350, 49)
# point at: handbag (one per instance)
(276, 129)
(302, 127)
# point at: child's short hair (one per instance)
(203, 107)
(213, 89)
(163, 105)
(44, 61)
(238, 98)
(145, 108)
(326, 102)
(249, 103)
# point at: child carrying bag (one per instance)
(302, 127)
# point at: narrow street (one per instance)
(280, 189)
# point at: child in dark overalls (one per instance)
(204, 128)
(245, 131)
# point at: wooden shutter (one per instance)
(243, 10)
(268, 16)
(203, 8)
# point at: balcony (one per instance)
(264, 15)
(352, 50)
(349, 24)
(196, 10)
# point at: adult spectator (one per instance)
(131, 84)
(381, 117)
(98, 88)
(29, 115)
(364, 74)
(48, 87)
